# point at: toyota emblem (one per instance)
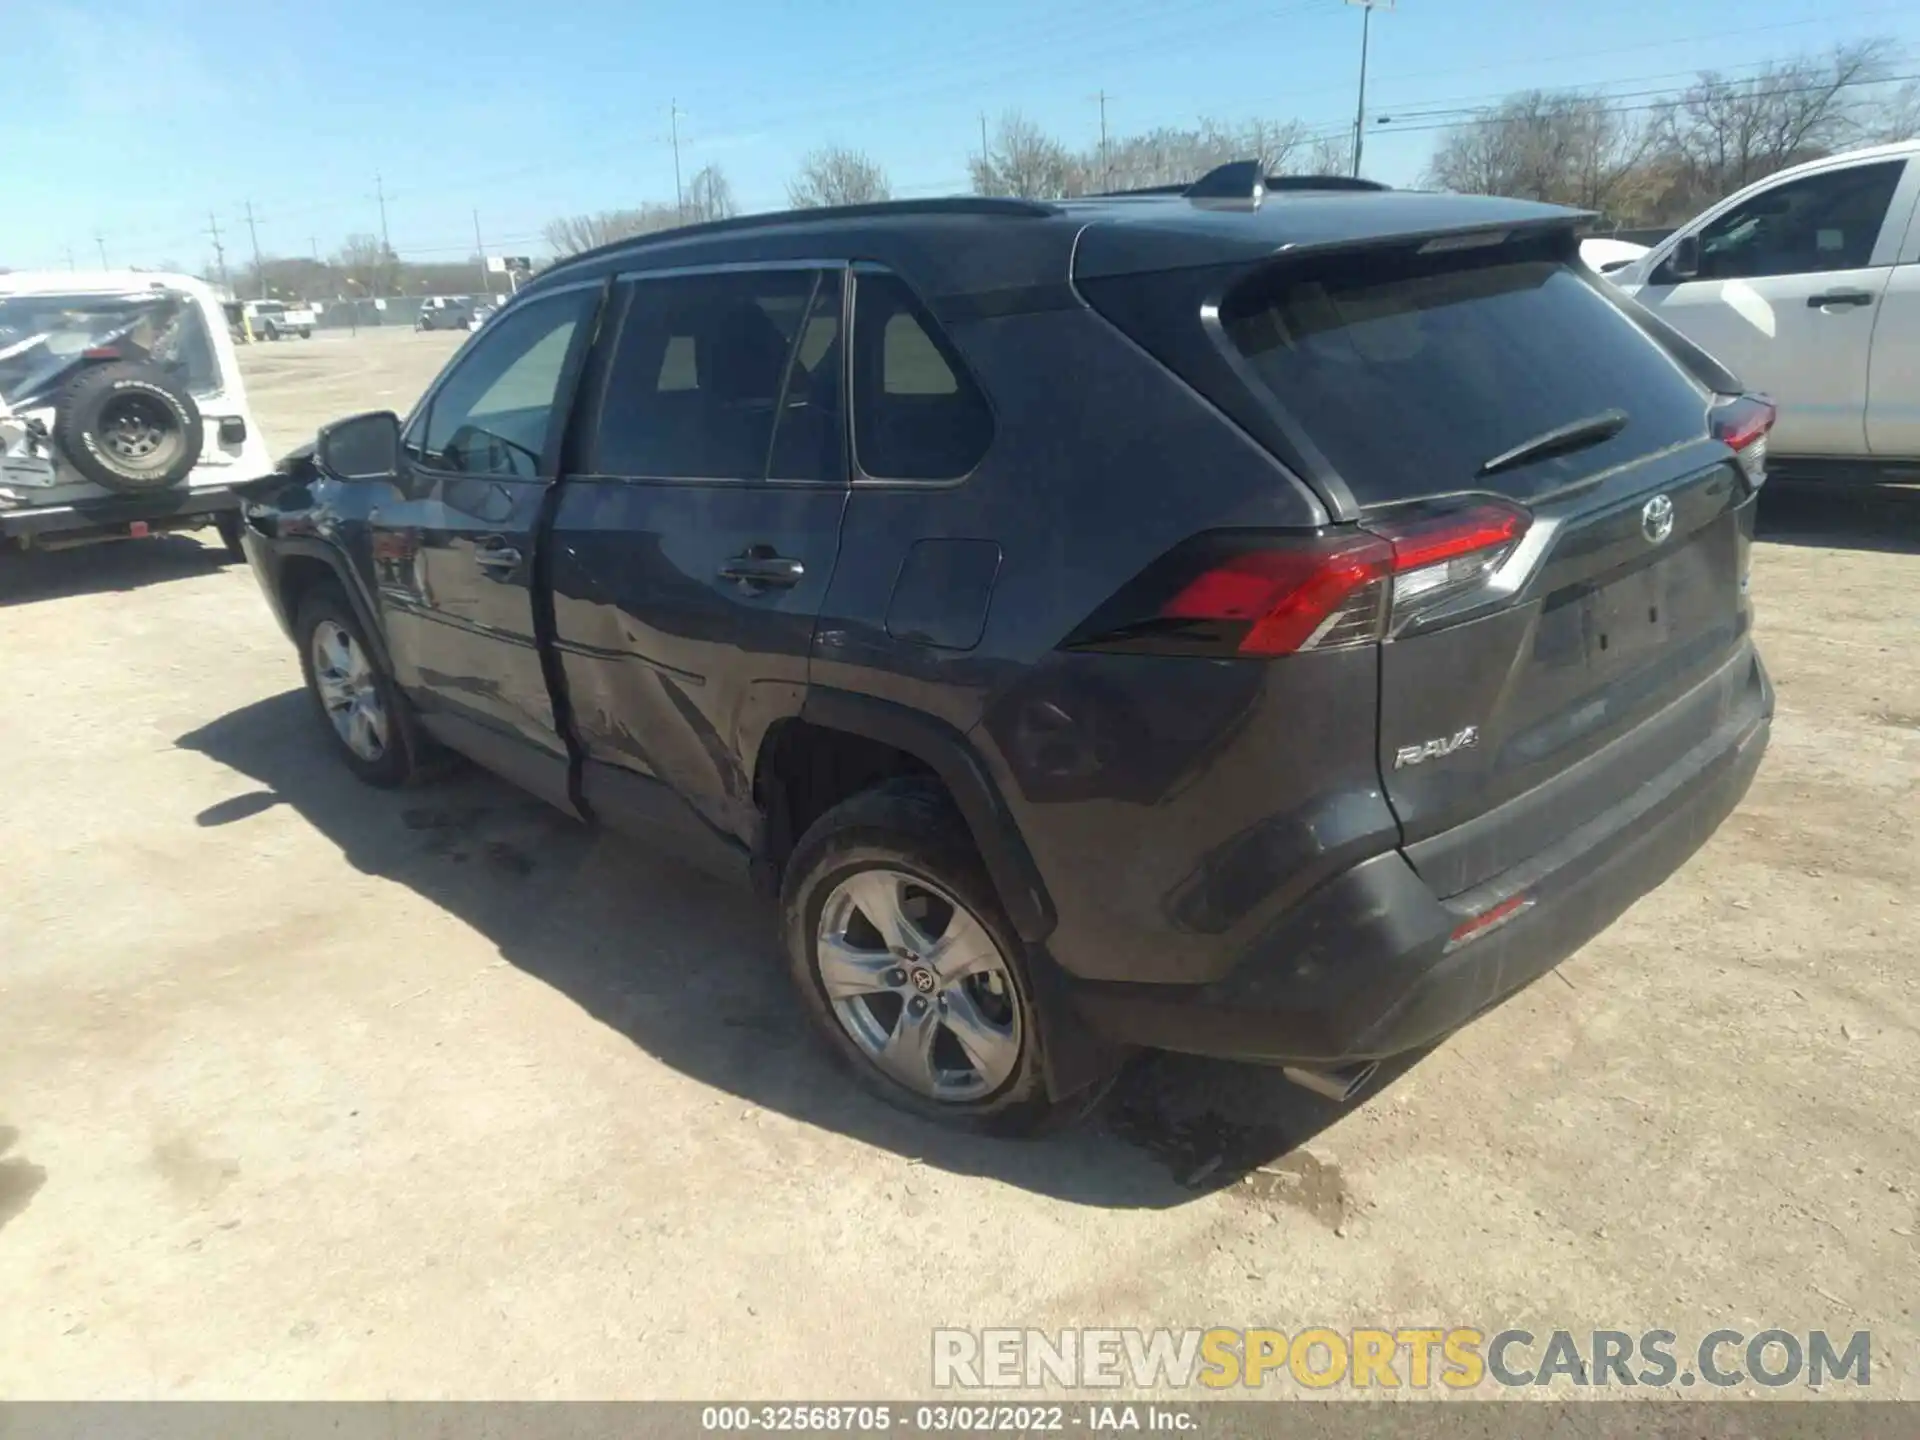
(1656, 519)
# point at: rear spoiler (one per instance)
(1245, 183)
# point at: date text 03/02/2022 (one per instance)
(1102, 1418)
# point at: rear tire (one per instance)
(965, 1052)
(306, 334)
(360, 708)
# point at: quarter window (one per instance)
(917, 415)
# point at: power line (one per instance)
(1668, 97)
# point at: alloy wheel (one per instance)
(919, 985)
(349, 690)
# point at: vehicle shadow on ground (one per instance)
(687, 968)
(1886, 518)
(34, 575)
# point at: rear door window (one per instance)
(1410, 372)
(732, 376)
(917, 415)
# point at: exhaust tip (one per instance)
(1339, 1085)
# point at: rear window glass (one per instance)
(1411, 372)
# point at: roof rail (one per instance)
(940, 205)
(1240, 183)
(1323, 182)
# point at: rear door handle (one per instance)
(497, 557)
(1839, 297)
(759, 569)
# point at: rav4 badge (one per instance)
(1435, 749)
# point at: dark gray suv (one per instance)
(1273, 620)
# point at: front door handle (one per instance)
(1839, 297)
(497, 557)
(757, 567)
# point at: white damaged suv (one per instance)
(122, 411)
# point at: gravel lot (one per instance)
(308, 1090)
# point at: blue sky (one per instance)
(132, 120)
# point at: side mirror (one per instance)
(1684, 262)
(361, 447)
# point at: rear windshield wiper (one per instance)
(1561, 440)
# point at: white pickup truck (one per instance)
(1807, 286)
(271, 319)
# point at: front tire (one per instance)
(372, 728)
(908, 967)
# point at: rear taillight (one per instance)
(1252, 594)
(1741, 424)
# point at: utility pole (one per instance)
(986, 155)
(1106, 169)
(380, 195)
(219, 250)
(70, 264)
(259, 273)
(1360, 111)
(100, 240)
(673, 122)
(480, 255)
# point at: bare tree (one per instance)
(1329, 155)
(1727, 133)
(1898, 116)
(1169, 156)
(1024, 160)
(1563, 146)
(834, 175)
(368, 264)
(570, 234)
(710, 196)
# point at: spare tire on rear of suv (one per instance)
(129, 427)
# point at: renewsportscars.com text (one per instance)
(1456, 1358)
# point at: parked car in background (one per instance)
(1274, 621)
(273, 319)
(1807, 285)
(122, 411)
(444, 312)
(481, 314)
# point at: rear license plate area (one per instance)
(1653, 609)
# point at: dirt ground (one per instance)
(308, 1090)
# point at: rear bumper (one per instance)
(111, 518)
(1362, 969)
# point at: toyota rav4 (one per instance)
(1275, 620)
